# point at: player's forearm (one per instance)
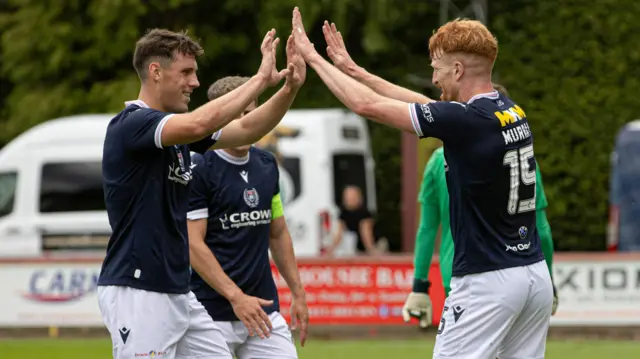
(366, 231)
(207, 266)
(388, 89)
(369, 243)
(263, 119)
(349, 91)
(284, 257)
(216, 114)
(425, 242)
(546, 240)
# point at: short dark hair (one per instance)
(501, 89)
(225, 85)
(162, 44)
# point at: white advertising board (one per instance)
(597, 293)
(49, 294)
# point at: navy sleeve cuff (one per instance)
(421, 285)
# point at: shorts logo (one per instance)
(124, 334)
(522, 232)
(251, 197)
(457, 313)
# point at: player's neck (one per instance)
(473, 89)
(150, 100)
(236, 152)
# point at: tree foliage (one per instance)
(571, 66)
(71, 56)
(574, 70)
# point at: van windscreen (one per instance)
(8, 182)
(349, 170)
(71, 187)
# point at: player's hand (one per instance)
(374, 252)
(303, 45)
(329, 252)
(298, 73)
(337, 50)
(249, 310)
(268, 65)
(554, 308)
(418, 305)
(300, 316)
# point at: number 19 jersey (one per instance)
(491, 177)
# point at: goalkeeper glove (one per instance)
(418, 304)
(555, 300)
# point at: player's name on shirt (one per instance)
(513, 134)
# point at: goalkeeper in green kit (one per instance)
(434, 199)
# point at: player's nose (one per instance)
(434, 79)
(193, 83)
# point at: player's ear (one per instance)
(154, 70)
(458, 70)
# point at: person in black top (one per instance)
(357, 221)
(143, 288)
(501, 292)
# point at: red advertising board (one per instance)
(358, 292)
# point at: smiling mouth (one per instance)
(187, 95)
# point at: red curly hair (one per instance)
(465, 36)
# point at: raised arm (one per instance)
(337, 51)
(205, 120)
(255, 125)
(356, 96)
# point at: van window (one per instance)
(71, 187)
(8, 182)
(290, 182)
(349, 170)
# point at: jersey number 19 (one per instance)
(521, 173)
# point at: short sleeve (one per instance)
(142, 129)
(204, 144)
(199, 190)
(437, 119)
(277, 180)
(365, 214)
(342, 215)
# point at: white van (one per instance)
(322, 151)
(51, 188)
(51, 198)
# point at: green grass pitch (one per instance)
(316, 349)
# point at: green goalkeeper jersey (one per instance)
(434, 200)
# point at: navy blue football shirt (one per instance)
(491, 177)
(146, 195)
(236, 194)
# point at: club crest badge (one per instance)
(522, 232)
(251, 197)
